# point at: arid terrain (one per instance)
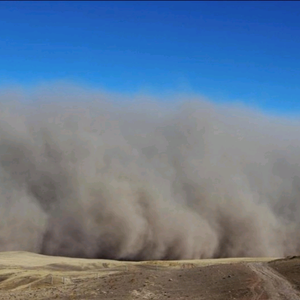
(26, 275)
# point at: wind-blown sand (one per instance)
(84, 175)
(93, 176)
(25, 275)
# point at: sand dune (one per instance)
(25, 275)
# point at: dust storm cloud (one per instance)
(82, 175)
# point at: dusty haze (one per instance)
(84, 176)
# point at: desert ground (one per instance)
(26, 275)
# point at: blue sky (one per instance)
(227, 51)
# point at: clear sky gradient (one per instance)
(227, 51)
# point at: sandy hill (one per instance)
(26, 275)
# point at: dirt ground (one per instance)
(32, 276)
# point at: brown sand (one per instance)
(26, 275)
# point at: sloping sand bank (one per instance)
(26, 275)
